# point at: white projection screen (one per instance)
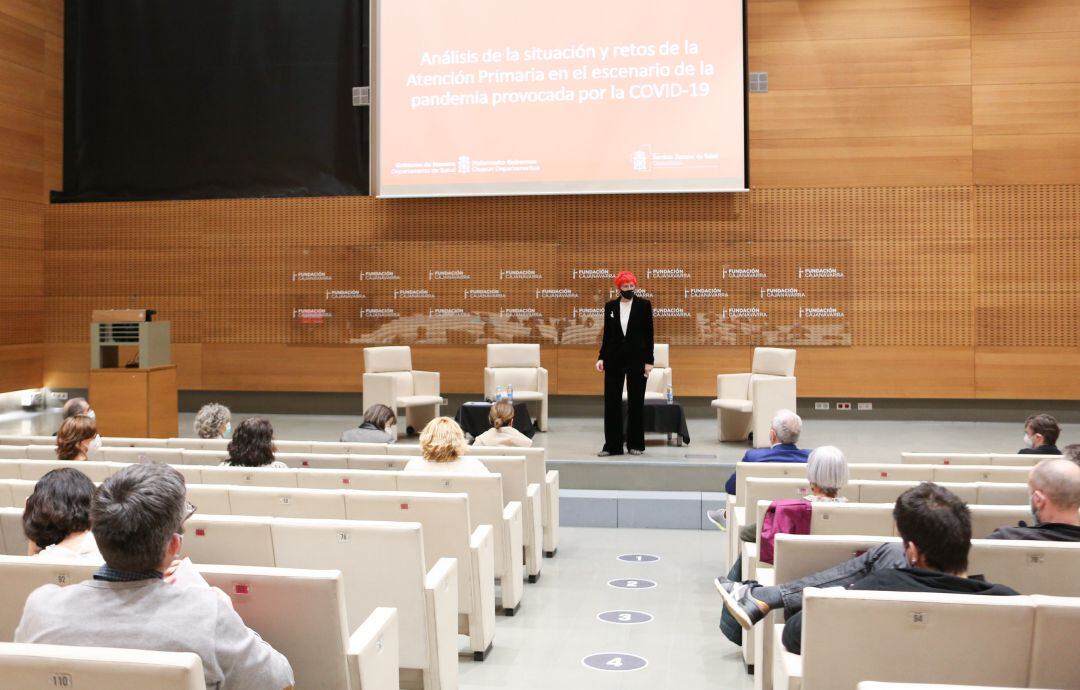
(492, 97)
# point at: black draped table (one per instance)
(472, 417)
(662, 417)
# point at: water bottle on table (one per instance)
(498, 393)
(670, 396)
(510, 392)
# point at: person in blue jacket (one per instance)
(784, 434)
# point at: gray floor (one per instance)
(543, 646)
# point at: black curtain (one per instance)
(185, 99)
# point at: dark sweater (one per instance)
(1041, 531)
(1045, 449)
(904, 580)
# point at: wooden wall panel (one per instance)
(1027, 159)
(809, 20)
(1026, 109)
(20, 366)
(1029, 16)
(1050, 373)
(1026, 58)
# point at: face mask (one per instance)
(1034, 510)
(228, 430)
(95, 445)
(91, 414)
(1028, 442)
(627, 294)
(392, 430)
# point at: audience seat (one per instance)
(748, 402)
(250, 476)
(373, 652)
(288, 503)
(389, 379)
(518, 365)
(167, 456)
(41, 666)
(13, 452)
(368, 480)
(1057, 628)
(516, 488)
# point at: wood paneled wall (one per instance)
(936, 141)
(31, 86)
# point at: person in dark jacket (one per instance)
(935, 530)
(626, 355)
(1041, 433)
(1055, 503)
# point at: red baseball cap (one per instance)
(625, 277)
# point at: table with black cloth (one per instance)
(660, 416)
(472, 417)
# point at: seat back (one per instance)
(13, 452)
(513, 355)
(390, 359)
(164, 456)
(886, 472)
(522, 379)
(132, 442)
(945, 458)
(535, 459)
(773, 361)
(1019, 459)
(799, 555)
(889, 491)
(324, 461)
(37, 666)
(1057, 627)
(287, 502)
(36, 469)
(980, 473)
(17, 440)
(851, 636)
(486, 501)
(204, 456)
(348, 448)
(1029, 567)
(765, 470)
(985, 518)
(1001, 494)
(229, 540)
(11, 469)
(42, 452)
(515, 482)
(851, 518)
(377, 462)
(383, 565)
(250, 476)
(445, 521)
(12, 537)
(210, 499)
(300, 613)
(21, 575)
(369, 480)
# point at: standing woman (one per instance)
(626, 354)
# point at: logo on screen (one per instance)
(731, 272)
(379, 275)
(639, 291)
(786, 293)
(448, 275)
(525, 313)
(671, 313)
(742, 313)
(520, 274)
(311, 315)
(590, 273)
(484, 294)
(413, 294)
(379, 313)
(820, 273)
(820, 313)
(556, 293)
(345, 294)
(582, 312)
(704, 293)
(309, 275)
(666, 273)
(433, 313)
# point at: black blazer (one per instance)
(1045, 449)
(637, 344)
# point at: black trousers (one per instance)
(615, 372)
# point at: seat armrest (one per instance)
(441, 595)
(512, 584)
(482, 552)
(481, 535)
(542, 380)
(426, 383)
(787, 667)
(550, 511)
(380, 388)
(736, 386)
(373, 652)
(489, 383)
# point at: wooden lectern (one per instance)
(137, 401)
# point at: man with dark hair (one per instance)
(1041, 433)
(137, 518)
(1055, 503)
(748, 603)
(935, 532)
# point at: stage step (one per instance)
(648, 509)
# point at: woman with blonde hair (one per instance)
(502, 431)
(77, 438)
(442, 444)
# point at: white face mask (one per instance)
(1034, 510)
(392, 430)
(1028, 442)
(228, 430)
(95, 445)
(90, 414)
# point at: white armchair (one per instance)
(659, 378)
(748, 402)
(518, 365)
(390, 379)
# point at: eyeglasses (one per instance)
(189, 510)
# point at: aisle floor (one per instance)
(542, 647)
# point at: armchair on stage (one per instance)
(390, 379)
(518, 365)
(748, 402)
(660, 377)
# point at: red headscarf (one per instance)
(625, 277)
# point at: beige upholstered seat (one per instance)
(660, 377)
(34, 666)
(518, 365)
(516, 487)
(389, 379)
(748, 402)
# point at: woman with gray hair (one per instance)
(213, 421)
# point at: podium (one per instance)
(132, 401)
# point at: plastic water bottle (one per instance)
(670, 396)
(498, 393)
(510, 392)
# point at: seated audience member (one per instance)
(137, 517)
(749, 602)
(1072, 452)
(378, 426)
(1055, 504)
(934, 526)
(213, 421)
(442, 444)
(1041, 432)
(77, 438)
(56, 520)
(252, 445)
(502, 431)
(784, 434)
(74, 407)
